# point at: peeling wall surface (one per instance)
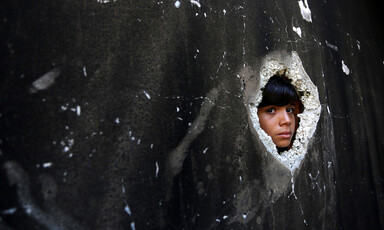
(135, 115)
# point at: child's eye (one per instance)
(270, 110)
(290, 110)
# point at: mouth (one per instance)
(285, 134)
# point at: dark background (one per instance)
(176, 56)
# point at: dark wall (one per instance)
(139, 119)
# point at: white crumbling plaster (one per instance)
(309, 96)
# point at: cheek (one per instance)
(266, 124)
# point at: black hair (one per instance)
(279, 91)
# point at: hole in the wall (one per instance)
(291, 67)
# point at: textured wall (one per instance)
(131, 114)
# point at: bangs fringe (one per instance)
(278, 91)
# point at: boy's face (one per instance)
(279, 123)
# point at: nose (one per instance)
(285, 118)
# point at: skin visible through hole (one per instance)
(279, 122)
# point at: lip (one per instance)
(285, 134)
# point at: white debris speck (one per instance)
(329, 164)
(240, 178)
(64, 107)
(225, 217)
(345, 68)
(106, 1)
(331, 46)
(27, 209)
(85, 71)
(217, 220)
(305, 11)
(147, 95)
(133, 226)
(78, 110)
(151, 146)
(127, 210)
(157, 169)
(45, 81)
(329, 112)
(9, 211)
(177, 109)
(177, 4)
(66, 149)
(224, 11)
(244, 216)
(205, 14)
(205, 150)
(70, 155)
(358, 44)
(297, 30)
(47, 164)
(197, 3)
(117, 120)
(180, 118)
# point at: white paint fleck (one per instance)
(180, 118)
(106, 1)
(225, 217)
(205, 150)
(217, 220)
(47, 164)
(240, 178)
(358, 44)
(331, 46)
(66, 149)
(151, 146)
(329, 164)
(117, 120)
(45, 81)
(157, 169)
(305, 11)
(147, 95)
(127, 210)
(9, 211)
(177, 109)
(345, 68)
(224, 11)
(177, 4)
(196, 2)
(329, 112)
(85, 71)
(244, 216)
(133, 226)
(70, 155)
(78, 110)
(205, 14)
(297, 30)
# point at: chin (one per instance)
(283, 145)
